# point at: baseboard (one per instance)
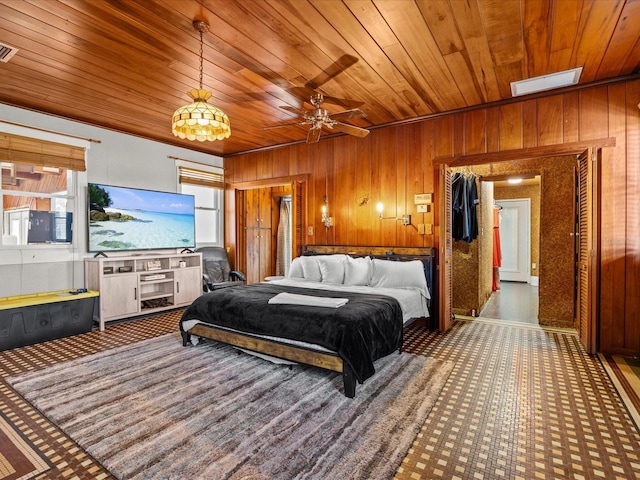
(533, 281)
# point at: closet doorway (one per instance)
(550, 258)
(268, 227)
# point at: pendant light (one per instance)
(199, 120)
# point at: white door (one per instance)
(515, 239)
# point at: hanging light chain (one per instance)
(201, 26)
(201, 54)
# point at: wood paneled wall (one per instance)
(394, 163)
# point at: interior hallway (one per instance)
(514, 302)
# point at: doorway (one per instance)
(515, 239)
(515, 295)
(263, 239)
(257, 225)
(549, 185)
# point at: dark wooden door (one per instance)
(252, 234)
(258, 219)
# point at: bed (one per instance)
(379, 296)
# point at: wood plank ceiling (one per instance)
(126, 65)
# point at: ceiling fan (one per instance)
(318, 117)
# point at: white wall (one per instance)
(118, 159)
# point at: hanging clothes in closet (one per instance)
(497, 253)
(464, 201)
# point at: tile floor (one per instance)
(521, 403)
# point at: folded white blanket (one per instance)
(295, 299)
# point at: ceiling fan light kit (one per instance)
(199, 120)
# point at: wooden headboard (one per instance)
(427, 255)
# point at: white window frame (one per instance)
(218, 201)
(74, 177)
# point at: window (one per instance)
(206, 184)
(37, 188)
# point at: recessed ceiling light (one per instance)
(546, 82)
(514, 181)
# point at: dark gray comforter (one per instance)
(368, 327)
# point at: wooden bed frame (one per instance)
(308, 356)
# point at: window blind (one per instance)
(200, 177)
(18, 149)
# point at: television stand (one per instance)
(138, 285)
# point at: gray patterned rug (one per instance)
(156, 409)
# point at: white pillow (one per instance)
(295, 269)
(311, 269)
(336, 257)
(392, 274)
(357, 271)
(332, 270)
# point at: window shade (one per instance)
(17, 149)
(200, 177)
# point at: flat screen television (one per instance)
(122, 219)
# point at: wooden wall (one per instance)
(394, 163)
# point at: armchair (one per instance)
(216, 272)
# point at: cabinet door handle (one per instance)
(135, 293)
(178, 287)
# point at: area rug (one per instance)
(158, 410)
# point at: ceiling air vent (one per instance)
(6, 52)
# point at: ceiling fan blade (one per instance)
(350, 129)
(337, 67)
(314, 135)
(347, 114)
(344, 102)
(289, 124)
(306, 93)
(292, 110)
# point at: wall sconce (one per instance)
(405, 219)
(326, 219)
